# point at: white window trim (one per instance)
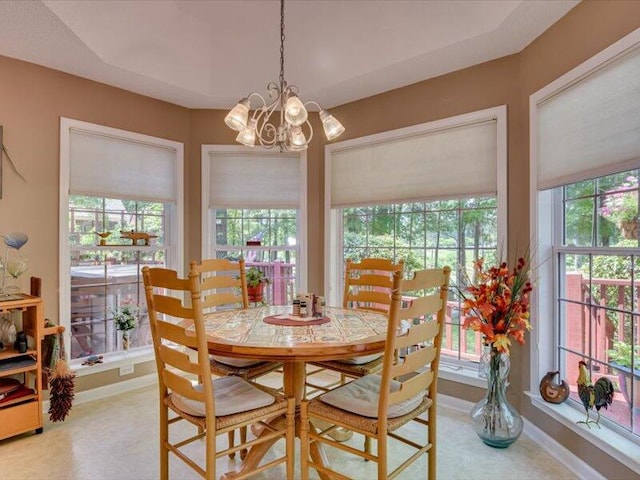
(175, 250)
(333, 224)
(544, 334)
(207, 227)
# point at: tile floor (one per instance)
(117, 439)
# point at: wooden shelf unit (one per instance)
(23, 414)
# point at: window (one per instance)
(103, 278)
(428, 235)
(266, 239)
(114, 182)
(254, 207)
(598, 288)
(431, 195)
(585, 151)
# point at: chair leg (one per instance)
(431, 454)
(304, 440)
(382, 456)
(210, 455)
(231, 435)
(367, 446)
(243, 439)
(291, 436)
(164, 438)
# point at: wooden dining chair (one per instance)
(367, 286)
(214, 406)
(223, 284)
(376, 406)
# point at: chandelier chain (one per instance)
(281, 44)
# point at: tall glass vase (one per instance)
(494, 419)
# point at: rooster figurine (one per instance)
(598, 395)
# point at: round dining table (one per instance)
(249, 333)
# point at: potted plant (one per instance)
(620, 358)
(255, 284)
(124, 319)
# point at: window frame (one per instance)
(174, 217)
(207, 227)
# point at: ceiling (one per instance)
(209, 54)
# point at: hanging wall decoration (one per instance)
(4, 152)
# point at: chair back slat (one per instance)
(371, 280)
(219, 299)
(422, 306)
(222, 283)
(172, 306)
(413, 358)
(364, 297)
(418, 334)
(166, 278)
(412, 387)
(413, 361)
(424, 279)
(178, 359)
(182, 386)
(368, 283)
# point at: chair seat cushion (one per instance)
(237, 362)
(402, 329)
(232, 395)
(361, 397)
(360, 360)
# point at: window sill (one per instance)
(112, 361)
(464, 374)
(618, 446)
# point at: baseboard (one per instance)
(109, 390)
(548, 444)
(560, 453)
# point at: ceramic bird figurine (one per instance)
(552, 391)
(103, 237)
(597, 395)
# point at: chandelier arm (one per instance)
(314, 102)
(270, 137)
(248, 97)
(310, 131)
(266, 132)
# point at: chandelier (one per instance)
(294, 132)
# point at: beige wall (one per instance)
(33, 98)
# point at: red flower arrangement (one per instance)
(497, 304)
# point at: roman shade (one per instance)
(455, 161)
(592, 127)
(262, 180)
(106, 166)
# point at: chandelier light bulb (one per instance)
(237, 118)
(332, 127)
(298, 140)
(294, 111)
(248, 135)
